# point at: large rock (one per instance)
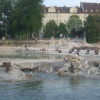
(79, 67)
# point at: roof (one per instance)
(88, 7)
(91, 7)
(62, 9)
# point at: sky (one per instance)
(68, 3)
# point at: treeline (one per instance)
(92, 28)
(23, 19)
(20, 18)
(72, 28)
(75, 28)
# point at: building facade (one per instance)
(62, 14)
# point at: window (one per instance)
(59, 15)
(44, 10)
(96, 10)
(46, 21)
(86, 10)
(59, 20)
(65, 21)
(46, 15)
(56, 21)
(81, 16)
(51, 15)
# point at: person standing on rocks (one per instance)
(71, 68)
(43, 52)
(96, 52)
(26, 47)
(77, 52)
(66, 58)
(88, 50)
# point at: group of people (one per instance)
(72, 50)
(95, 51)
(87, 51)
(59, 50)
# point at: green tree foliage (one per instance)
(92, 28)
(74, 25)
(26, 18)
(0, 17)
(62, 29)
(1, 23)
(5, 10)
(0, 10)
(51, 29)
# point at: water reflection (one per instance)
(51, 87)
(31, 55)
(74, 81)
(30, 85)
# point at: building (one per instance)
(62, 14)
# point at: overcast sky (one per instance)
(68, 3)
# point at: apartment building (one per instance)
(62, 14)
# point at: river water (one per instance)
(51, 87)
(30, 55)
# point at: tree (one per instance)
(5, 10)
(92, 28)
(74, 25)
(0, 11)
(0, 18)
(51, 29)
(62, 29)
(26, 18)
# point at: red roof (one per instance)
(91, 7)
(87, 7)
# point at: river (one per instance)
(51, 87)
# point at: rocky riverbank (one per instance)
(75, 66)
(9, 72)
(83, 65)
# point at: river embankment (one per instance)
(74, 67)
(83, 65)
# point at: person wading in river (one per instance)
(66, 58)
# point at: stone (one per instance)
(52, 38)
(3, 38)
(51, 70)
(30, 75)
(13, 80)
(74, 60)
(96, 64)
(7, 65)
(60, 72)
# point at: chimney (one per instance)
(76, 7)
(64, 6)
